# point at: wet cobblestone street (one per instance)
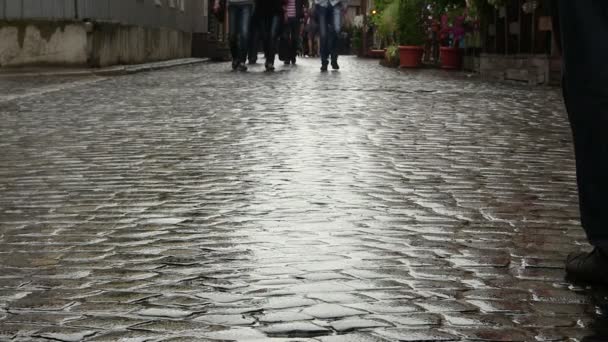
(370, 204)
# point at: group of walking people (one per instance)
(282, 20)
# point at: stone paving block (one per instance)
(353, 337)
(325, 311)
(284, 316)
(351, 324)
(65, 334)
(295, 329)
(401, 334)
(105, 322)
(410, 320)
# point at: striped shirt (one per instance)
(291, 9)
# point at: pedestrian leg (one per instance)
(233, 15)
(335, 28)
(583, 23)
(323, 36)
(243, 25)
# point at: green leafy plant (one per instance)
(388, 23)
(392, 54)
(411, 22)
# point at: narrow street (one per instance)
(369, 204)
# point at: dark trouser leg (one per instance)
(334, 29)
(583, 25)
(271, 29)
(589, 120)
(254, 37)
(323, 33)
(244, 22)
(293, 30)
(233, 17)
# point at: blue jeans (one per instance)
(330, 18)
(239, 21)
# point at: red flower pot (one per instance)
(410, 56)
(451, 58)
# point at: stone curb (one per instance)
(110, 71)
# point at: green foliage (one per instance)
(392, 53)
(411, 22)
(388, 23)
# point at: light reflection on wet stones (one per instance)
(439, 205)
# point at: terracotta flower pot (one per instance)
(451, 58)
(410, 56)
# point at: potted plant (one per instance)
(386, 24)
(451, 54)
(391, 57)
(411, 33)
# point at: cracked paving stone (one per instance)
(326, 311)
(295, 329)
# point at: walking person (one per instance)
(239, 18)
(293, 15)
(583, 24)
(270, 14)
(329, 16)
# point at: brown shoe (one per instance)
(591, 267)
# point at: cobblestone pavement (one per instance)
(371, 204)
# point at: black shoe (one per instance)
(293, 61)
(334, 65)
(241, 67)
(588, 267)
(235, 65)
(269, 67)
(323, 67)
